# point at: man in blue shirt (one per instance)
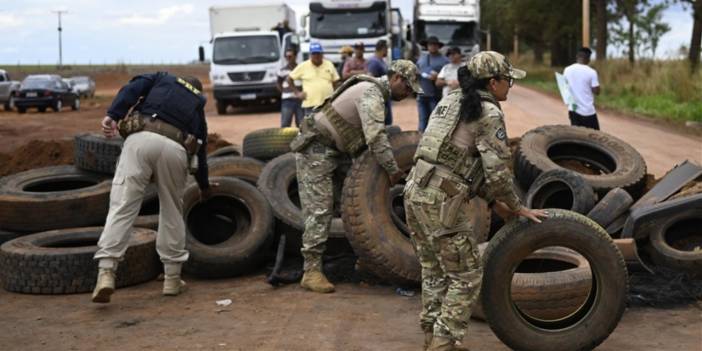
(429, 64)
(377, 67)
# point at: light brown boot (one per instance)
(427, 340)
(440, 343)
(173, 285)
(105, 285)
(314, 280)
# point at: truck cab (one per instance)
(453, 22)
(8, 90)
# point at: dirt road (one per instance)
(356, 317)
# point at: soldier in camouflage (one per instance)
(348, 121)
(463, 153)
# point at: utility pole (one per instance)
(59, 13)
(586, 24)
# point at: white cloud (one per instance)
(163, 16)
(7, 21)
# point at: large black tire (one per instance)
(676, 241)
(53, 198)
(278, 182)
(244, 168)
(61, 261)
(229, 150)
(606, 162)
(268, 143)
(94, 152)
(561, 188)
(370, 219)
(614, 204)
(552, 283)
(228, 234)
(585, 328)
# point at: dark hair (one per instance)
(471, 107)
(194, 82)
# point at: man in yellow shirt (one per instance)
(318, 77)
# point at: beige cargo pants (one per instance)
(147, 155)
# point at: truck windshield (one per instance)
(246, 49)
(348, 24)
(449, 33)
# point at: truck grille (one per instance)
(246, 76)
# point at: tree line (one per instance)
(629, 27)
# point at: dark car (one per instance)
(45, 90)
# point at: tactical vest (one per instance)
(436, 146)
(351, 135)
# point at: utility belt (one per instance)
(137, 122)
(458, 190)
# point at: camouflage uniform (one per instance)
(318, 153)
(454, 161)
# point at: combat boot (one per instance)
(315, 280)
(427, 340)
(440, 343)
(105, 285)
(172, 284)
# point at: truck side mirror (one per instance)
(201, 53)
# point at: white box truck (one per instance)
(339, 23)
(247, 53)
(453, 22)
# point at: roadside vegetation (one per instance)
(662, 89)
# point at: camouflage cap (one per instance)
(408, 70)
(488, 64)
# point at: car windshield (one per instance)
(246, 49)
(449, 33)
(348, 24)
(37, 83)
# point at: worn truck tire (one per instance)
(53, 198)
(61, 261)
(614, 204)
(228, 234)
(96, 153)
(229, 150)
(583, 329)
(561, 188)
(604, 161)
(278, 182)
(268, 143)
(244, 168)
(552, 283)
(676, 241)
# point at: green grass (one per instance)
(659, 89)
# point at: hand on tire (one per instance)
(109, 127)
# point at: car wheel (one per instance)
(76, 104)
(58, 105)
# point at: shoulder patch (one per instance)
(500, 134)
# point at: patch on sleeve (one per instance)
(500, 134)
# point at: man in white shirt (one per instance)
(448, 77)
(584, 85)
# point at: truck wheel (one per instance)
(94, 152)
(10, 104)
(61, 261)
(604, 161)
(561, 188)
(58, 105)
(676, 241)
(592, 322)
(60, 196)
(268, 143)
(229, 233)
(221, 107)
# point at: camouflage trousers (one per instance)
(315, 168)
(451, 266)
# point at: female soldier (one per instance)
(463, 153)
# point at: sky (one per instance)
(159, 31)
